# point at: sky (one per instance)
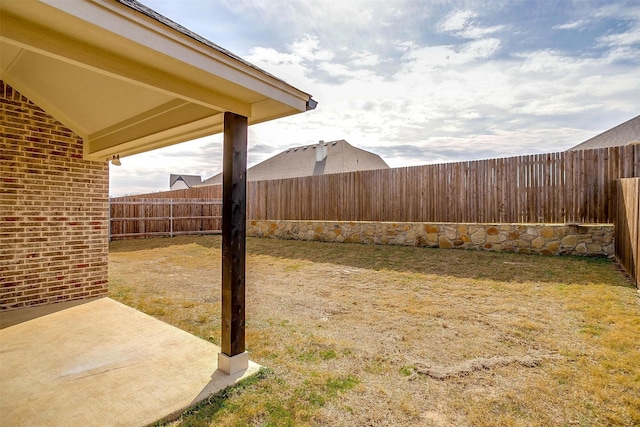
(417, 82)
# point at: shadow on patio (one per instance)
(100, 363)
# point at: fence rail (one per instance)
(565, 187)
(627, 230)
(576, 186)
(147, 217)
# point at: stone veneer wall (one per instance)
(53, 210)
(545, 239)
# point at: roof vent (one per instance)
(321, 152)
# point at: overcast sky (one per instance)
(417, 82)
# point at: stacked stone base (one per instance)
(544, 239)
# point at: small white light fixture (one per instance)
(115, 160)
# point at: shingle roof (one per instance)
(158, 83)
(189, 180)
(301, 161)
(623, 134)
(139, 7)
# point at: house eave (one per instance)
(127, 67)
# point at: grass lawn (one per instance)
(365, 335)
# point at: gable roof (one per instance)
(623, 134)
(127, 79)
(302, 161)
(139, 7)
(189, 180)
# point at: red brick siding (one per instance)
(53, 210)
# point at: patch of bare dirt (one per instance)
(430, 342)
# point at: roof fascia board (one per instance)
(159, 37)
(267, 110)
(196, 50)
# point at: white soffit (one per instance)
(127, 82)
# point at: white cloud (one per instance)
(448, 55)
(572, 25)
(456, 20)
(287, 66)
(622, 53)
(548, 62)
(477, 32)
(630, 34)
(457, 93)
(627, 38)
(364, 59)
(308, 48)
(461, 24)
(417, 99)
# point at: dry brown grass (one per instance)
(347, 331)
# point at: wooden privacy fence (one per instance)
(573, 186)
(210, 192)
(627, 230)
(565, 187)
(145, 217)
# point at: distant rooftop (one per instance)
(308, 160)
(179, 182)
(623, 134)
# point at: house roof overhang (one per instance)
(128, 80)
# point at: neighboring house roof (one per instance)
(157, 83)
(623, 134)
(188, 180)
(336, 157)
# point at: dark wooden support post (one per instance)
(234, 196)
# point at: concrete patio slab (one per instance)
(101, 363)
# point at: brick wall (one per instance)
(53, 210)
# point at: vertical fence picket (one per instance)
(573, 186)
